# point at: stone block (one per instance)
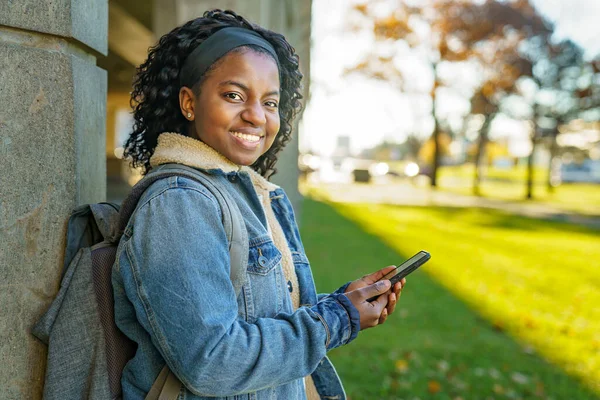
(52, 112)
(85, 21)
(89, 102)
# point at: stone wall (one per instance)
(52, 158)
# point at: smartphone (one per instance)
(405, 268)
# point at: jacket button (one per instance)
(290, 287)
(262, 260)
(231, 178)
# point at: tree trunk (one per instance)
(436, 131)
(553, 151)
(436, 154)
(483, 138)
(534, 141)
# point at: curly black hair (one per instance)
(155, 95)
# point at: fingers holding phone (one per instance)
(370, 311)
(374, 310)
(370, 279)
(397, 274)
(393, 297)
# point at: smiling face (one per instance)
(236, 112)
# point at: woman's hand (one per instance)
(393, 294)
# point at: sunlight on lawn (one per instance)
(509, 184)
(537, 280)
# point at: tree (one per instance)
(459, 31)
(566, 87)
(411, 147)
(482, 103)
(503, 76)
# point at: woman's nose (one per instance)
(254, 114)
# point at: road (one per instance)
(404, 193)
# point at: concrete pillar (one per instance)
(289, 17)
(52, 158)
(292, 18)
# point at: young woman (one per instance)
(218, 94)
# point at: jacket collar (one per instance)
(176, 148)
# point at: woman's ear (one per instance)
(187, 102)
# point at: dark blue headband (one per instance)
(215, 47)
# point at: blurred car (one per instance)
(308, 163)
(586, 172)
(364, 170)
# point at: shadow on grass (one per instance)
(433, 344)
(506, 220)
(566, 213)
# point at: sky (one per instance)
(369, 111)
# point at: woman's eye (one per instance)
(271, 104)
(233, 96)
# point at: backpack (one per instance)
(86, 350)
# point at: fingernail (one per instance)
(383, 285)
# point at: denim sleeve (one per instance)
(178, 282)
(341, 290)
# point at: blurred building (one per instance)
(66, 69)
(579, 156)
(342, 148)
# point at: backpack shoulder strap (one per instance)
(167, 386)
(88, 225)
(106, 216)
(232, 218)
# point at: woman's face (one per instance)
(236, 112)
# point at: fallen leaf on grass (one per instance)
(434, 387)
(529, 322)
(519, 378)
(413, 357)
(459, 384)
(539, 389)
(498, 326)
(498, 389)
(443, 365)
(528, 350)
(494, 373)
(568, 331)
(401, 365)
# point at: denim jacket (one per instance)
(174, 297)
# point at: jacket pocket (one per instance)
(263, 293)
(263, 256)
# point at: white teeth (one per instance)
(248, 138)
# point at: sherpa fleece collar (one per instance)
(176, 148)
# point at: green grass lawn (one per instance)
(509, 184)
(501, 295)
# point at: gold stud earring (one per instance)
(189, 115)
